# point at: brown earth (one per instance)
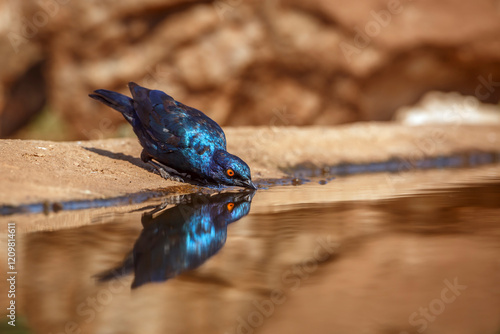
(38, 171)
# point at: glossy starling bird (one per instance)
(180, 238)
(184, 142)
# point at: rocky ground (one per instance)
(243, 62)
(38, 171)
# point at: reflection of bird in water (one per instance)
(182, 237)
(186, 144)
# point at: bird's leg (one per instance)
(160, 168)
(166, 172)
(145, 157)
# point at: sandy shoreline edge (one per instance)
(37, 171)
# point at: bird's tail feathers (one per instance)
(117, 101)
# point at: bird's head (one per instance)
(229, 207)
(230, 170)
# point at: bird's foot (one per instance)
(167, 175)
(164, 174)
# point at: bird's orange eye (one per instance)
(230, 172)
(230, 206)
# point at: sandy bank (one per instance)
(37, 171)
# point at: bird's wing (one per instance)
(174, 124)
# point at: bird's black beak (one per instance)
(245, 196)
(248, 184)
(249, 197)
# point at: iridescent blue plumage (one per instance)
(181, 238)
(185, 143)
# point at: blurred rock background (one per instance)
(293, 62)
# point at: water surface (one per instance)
(418, 253)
